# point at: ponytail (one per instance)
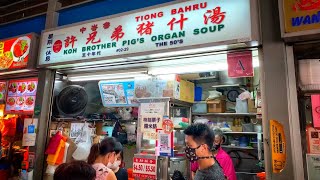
(94, 153)
(106, 146)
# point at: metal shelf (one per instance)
(237, 147)
(241, 133)
(224, 114)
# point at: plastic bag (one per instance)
(84, 143)
(54, 143)
(241, 106)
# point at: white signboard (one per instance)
(313, 166)
(179, 25)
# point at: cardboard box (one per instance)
(186, 91)
(251, 106)
(216, 106)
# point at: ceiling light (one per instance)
(107, 76)
(14, 72)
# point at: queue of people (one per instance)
(209, 161)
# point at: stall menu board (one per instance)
(14, 53)
(3, 88)
(145, 167)
(21, 95)
(117, 93)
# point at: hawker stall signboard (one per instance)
(21, 96)
(301, 15)
(178, 26)
(14, 52)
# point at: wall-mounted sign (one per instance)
(117, 93)
(301, 15)
(14, 53)
(313, 140)
(21, 95)
(278, 146)
(315, 101)
(180, 25)
(240, 64)
(313, 168)
(145, 168)
(164, 143)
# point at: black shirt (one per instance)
(122, 174)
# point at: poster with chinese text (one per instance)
(145, 167)
(29, 132)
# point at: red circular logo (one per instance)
(57, 46)
(167, 126)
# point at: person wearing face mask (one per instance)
(101, 154)
(222, 157)
(120, 173)
(199, 142)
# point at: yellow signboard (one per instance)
(301, 15)
(278, 146)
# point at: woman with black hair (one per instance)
(120, 173)
(102, 154)
(76, 170)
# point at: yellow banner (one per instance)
(278, 146)
(301, 15)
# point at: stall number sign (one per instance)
(145, 168)
(180, 25)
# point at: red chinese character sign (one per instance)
(240, 64)
(178, 26)
(145, 167)
(14, 53)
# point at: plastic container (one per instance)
(243, 141)
(199, 107)
(197, 93)
(247, 127)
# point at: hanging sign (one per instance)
(301, 15)
(278, 146)
(315, 103)
(29, 132)
(117, 93)
(164, 143)
(151, 116)
(167, 125)
(313, 166)
(177, 26)
(145, 167)
(21, 95)
(313, 140)
(240, 64)
(14, 53)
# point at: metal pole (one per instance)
(45, 97)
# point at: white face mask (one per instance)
(115, 165)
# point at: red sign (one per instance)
(145, 168)
(315, 101)
(21, 95)
(240, 64)
(14, 53)
(167, 126)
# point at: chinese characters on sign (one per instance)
(278, 146)
(145, 167)
(174, 26)
(151, 115)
